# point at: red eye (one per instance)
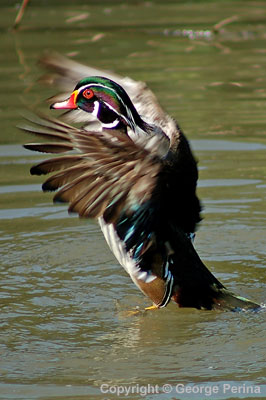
(88, 93)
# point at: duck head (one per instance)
(105, 100)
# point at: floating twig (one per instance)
(20, 13)
(217, 27)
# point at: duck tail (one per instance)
(195, 286)
(209, 294)
(228, 300)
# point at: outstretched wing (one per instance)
(65, 73)
(116, 180)
(109, 173)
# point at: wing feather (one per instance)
(49, 147)
(56, 164)
(111, 173)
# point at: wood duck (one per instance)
(135, 172)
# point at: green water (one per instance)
(64, 300)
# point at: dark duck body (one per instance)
(133, 170)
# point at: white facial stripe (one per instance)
(117, 95)
(111, 124)
(114, 110)
(111, 108)
(130, 120)
(95, 112)
(96, 109)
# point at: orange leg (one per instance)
(153, 307)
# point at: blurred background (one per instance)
(64, 329)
